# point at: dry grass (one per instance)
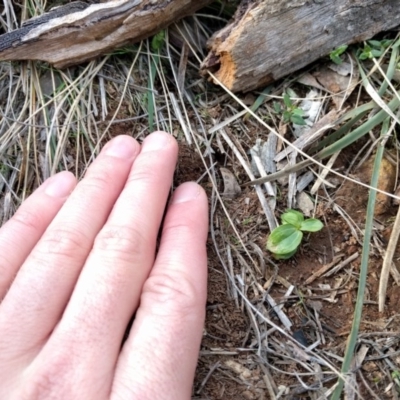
(54, 120)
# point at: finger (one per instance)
(40, 292)
(158, 360)
(107, 292)
(29, 223)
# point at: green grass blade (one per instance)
(360, 113)
(352, 341)
(359, 132)
(154, 60)
(259, 101)
(391, 68)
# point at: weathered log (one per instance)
(78, 32)
(269, 39)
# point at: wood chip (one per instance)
(231, 185)
(322, 270)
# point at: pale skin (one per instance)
(77, 260)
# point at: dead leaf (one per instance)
(231, 186)
(305, 204)
(239, 369)
(338, 80)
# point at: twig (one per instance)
(281, 315)
(324, 173)
(322, 270)
(179, 116)
(343, 264)
(267, 210)
(207, 377)
(312, 135)
(269, 382)
(230, 263)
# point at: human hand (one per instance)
(77, 261)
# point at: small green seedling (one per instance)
(336, 53)
(396, 376)
(292, 113)
(158, 40)
(374, 49)
(284, 240)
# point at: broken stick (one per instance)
(269, 39)
(78, 32)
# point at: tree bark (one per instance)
(79, 32)
(269, 39)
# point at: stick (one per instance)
(78, 32)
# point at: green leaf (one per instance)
(285, 256)
(292, 217)
(298, 111)
(286, 99)
(311, 225)
(376, 53)
(336, 59)
(291, 93)
(284, 239)
(297, 120)
(277, 107)
(386, 43)
(286, 116)
(158, 41)
(375, 43)
(336, 53)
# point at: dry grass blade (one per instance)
(387, 262)
(312, 135)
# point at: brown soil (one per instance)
(228, 338)
(229, 366)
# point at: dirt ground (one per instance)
(227, 368)
(320, 310)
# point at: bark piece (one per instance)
(231, 187)
(269, 39)
(79, 32)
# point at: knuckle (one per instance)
(49, 381)
(101, 175)
(64, 242)
(58, 375)
(184, 229)
(144, 173)
(28, 219)
(125, 241)
(97, 180)
(176, 293)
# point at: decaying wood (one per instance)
(269, 39)
(78, 32)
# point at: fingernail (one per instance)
(156, 141)
(120, 147)
(60, 185)
(186, 192)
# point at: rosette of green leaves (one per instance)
(284, 240)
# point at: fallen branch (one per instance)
(79, 32)
(269, 39)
